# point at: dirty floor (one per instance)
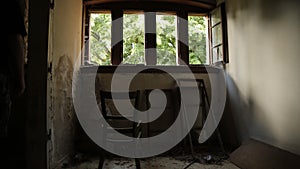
(179, 157)
(152, 163)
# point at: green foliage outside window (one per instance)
(100, 39)
(133, 34)
(197, 40)
(134, 37)
(166, 39)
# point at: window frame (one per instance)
(224, 44)
(150, 39)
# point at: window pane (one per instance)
(216, 16)
(134, 37)
(100, 39)
(197, 40)
(217, 35)
(218, 54)
(166, 39)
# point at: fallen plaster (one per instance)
(150, 163)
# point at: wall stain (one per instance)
(64, 113)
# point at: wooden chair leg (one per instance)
(137, 163)
(101, 161)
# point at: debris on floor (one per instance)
(206, 157)
(150, 163)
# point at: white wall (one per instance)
(263, 73)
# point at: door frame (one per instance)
(36, 91)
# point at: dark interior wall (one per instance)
(17, 122)
(36, 77)
(263, 81)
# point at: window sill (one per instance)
(152, 69)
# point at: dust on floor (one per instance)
(151, 163)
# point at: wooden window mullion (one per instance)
(150, 38)
(117, 37)
(225, 36)
(182, 38)
(86, 35)
(218, 35)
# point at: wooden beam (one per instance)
(184, 2)
(148, 6)
(189, 2)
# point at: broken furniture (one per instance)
(117, 121)
(157, 105)
(204, 105)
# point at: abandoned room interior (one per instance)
(209, 83)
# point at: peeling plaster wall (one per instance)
(65, 42)
(263, 73)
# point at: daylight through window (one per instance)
(166, 39)
(197, 40)
(134, 37)
(100, 38)
(135, 40)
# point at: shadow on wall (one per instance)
(243, 118)
(236, 116)
(267, 9)
(260, 34)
